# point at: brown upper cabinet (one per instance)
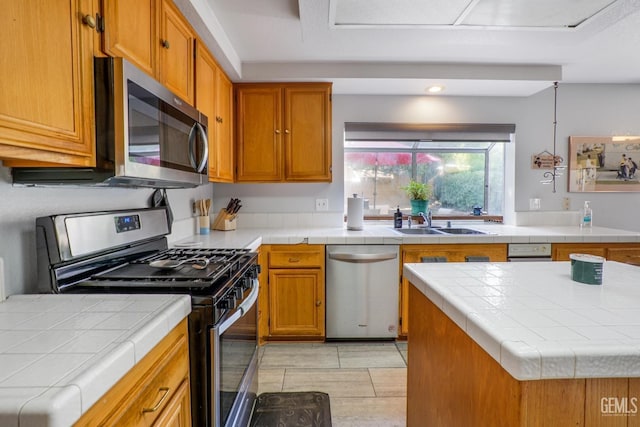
(283, 132)
(213, 98)
(46, 81)
(130, 31)
(154, 36)
(47, 102)
(176, 55)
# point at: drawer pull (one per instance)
(159, 404)
(294, 259)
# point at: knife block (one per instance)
(224, 221)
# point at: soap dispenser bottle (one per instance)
(587, 216)
(397, 218)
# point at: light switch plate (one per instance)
(1, 280)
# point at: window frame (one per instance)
(418, 134)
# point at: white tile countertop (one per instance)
(385, 234)
(60, 353)
(537, 322)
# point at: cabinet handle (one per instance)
(278, 131)
(318, 303)
(294, 259)
(159, 404)
(219, 119)
(286, 131)
(89, 21)
(165, 43)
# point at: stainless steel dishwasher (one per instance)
(362, 287)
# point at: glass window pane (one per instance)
(459, 184)
(378, 177)
(462, 174)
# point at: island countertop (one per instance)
(535, 321)
(60, 353)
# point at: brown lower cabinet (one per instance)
(628, 253)
(443, 253)
(294, 297)
(155, 392)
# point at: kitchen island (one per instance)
(521, 344)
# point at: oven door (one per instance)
(234, 347)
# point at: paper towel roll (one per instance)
(355, 212)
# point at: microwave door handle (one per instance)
(192, 145)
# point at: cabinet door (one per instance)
(206, 69)
(46, 81)
(177, 41)
(259, 134)
(224, 126)
(307, 132)
(178, 411)
(130, 31)
(296, 302)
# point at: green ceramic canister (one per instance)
(586, 268)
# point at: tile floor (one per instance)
(366, 382)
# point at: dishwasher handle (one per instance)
(362, 258)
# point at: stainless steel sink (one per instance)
(450, 230)
(421, 230)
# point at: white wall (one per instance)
(595, 110)
(20, 206)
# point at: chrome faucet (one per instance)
(426, 218)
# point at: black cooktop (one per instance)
(137, 275)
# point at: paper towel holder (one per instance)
(355, 212)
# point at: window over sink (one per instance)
(464, 163)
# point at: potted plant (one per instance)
(419, 194)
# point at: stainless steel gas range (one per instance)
(127, 252)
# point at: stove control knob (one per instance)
(254, 271)
(231, 301)
(238, 291)
(227, 303)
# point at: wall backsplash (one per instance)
(20, 206)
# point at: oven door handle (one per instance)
(242, 308)
(251, 298)
(222, 327)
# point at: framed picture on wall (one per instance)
(604, 163)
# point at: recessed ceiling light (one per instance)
(435, 89)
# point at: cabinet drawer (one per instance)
(154, 395)
(299, 257)
(145, 392)
(626, 255)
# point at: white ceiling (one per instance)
(472, 47)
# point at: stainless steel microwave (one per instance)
(145, 136)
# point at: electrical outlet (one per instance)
(566, 203)
(322, 204)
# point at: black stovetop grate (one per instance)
(222, 262)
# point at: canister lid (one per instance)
(587, 258)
